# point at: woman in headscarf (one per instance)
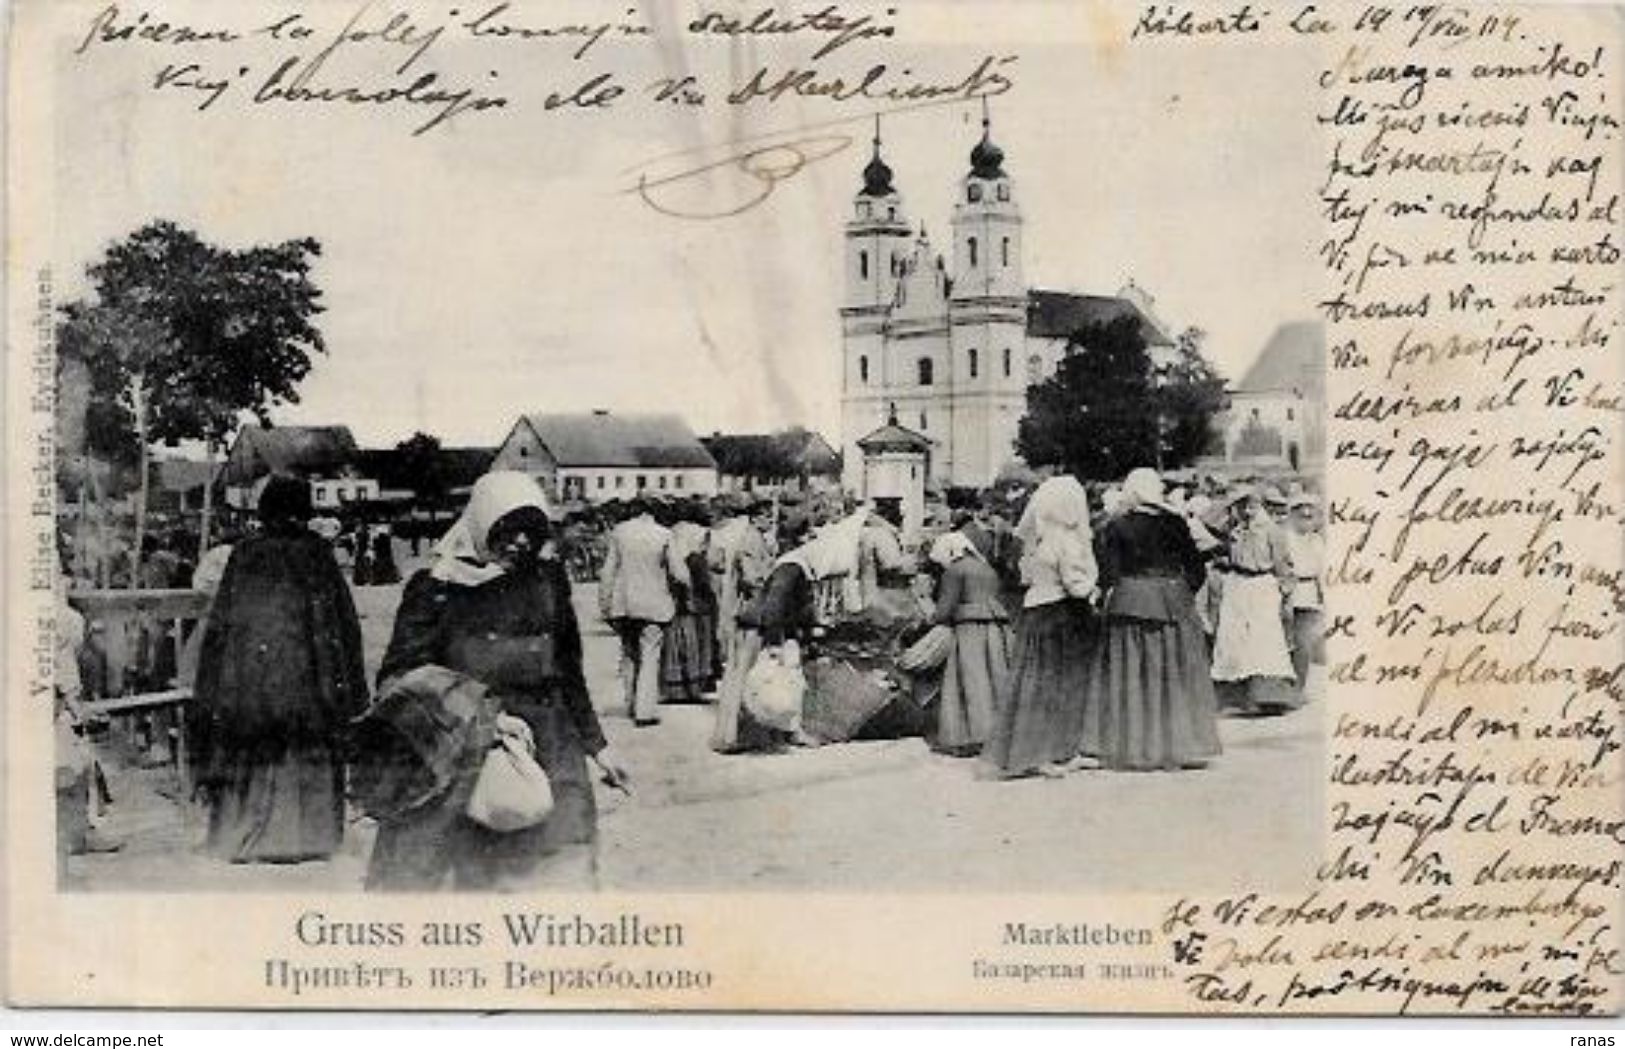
(495, 606)
(1041, 727)
(1151, 703)
(976, 676)
(688, 656)
(1252, 663)
(279, 676)
(786, 610)
(739, 559)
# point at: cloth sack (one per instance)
(842, 698)
(426, 731)
(512, 792)
(775, 688)
(929, 652)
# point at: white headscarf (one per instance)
(950, 547)
(833, 550)
(1142, 487)
(1059, 505)
(1055, 526)
(462, 556)
(833, 553)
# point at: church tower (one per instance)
(987, 319)
(878, 247)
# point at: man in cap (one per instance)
(1306, 551)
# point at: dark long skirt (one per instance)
(1308, 642)
(419, 851)
(1151, 700)
(1044, 719)
(975, 686)
(282, 807)
(688, 658)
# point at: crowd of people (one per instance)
(1040, 630)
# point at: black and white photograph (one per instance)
(943, 512)
(953, 507)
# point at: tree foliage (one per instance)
(179, 338)
(1189, 395)
(203, 333)
(1108, 408)
(780, 456)
(421, 462)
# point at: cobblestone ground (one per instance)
(884, 816)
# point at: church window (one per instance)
(924, 422)
(600, 481)
(863, 265)
(677, 482)
(864, 210)
(973, 192)
(1035, 369)
(1004, 191)
(863, 369)
(1004, 251)
(926, 370)
(1007, 362)
(662, 480)
(643, 481)
(970, 356)
(970, 247)
(891, 212)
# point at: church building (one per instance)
(946, 347)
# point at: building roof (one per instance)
(1062, 314)
(893, 437)
(610, 439)
(1294, 358)
(786, 453)
(304, 451)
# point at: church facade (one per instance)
(947, 346)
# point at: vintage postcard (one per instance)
(949, 506)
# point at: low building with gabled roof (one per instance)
(1276, 420)
(326, 457)
(601, 456)
(790, 460)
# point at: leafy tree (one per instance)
(181, 338)
(420, 461)
(1189, 394)
(1109, 408)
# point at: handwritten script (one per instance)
(427, 71)
(1471, 205)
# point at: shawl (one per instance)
(461, 556)
(833, 553)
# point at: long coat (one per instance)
(517, 635)
(280, 675)
(281, 660)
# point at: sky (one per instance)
(496, 265)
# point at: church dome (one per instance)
(987, 159)
(877, 177)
